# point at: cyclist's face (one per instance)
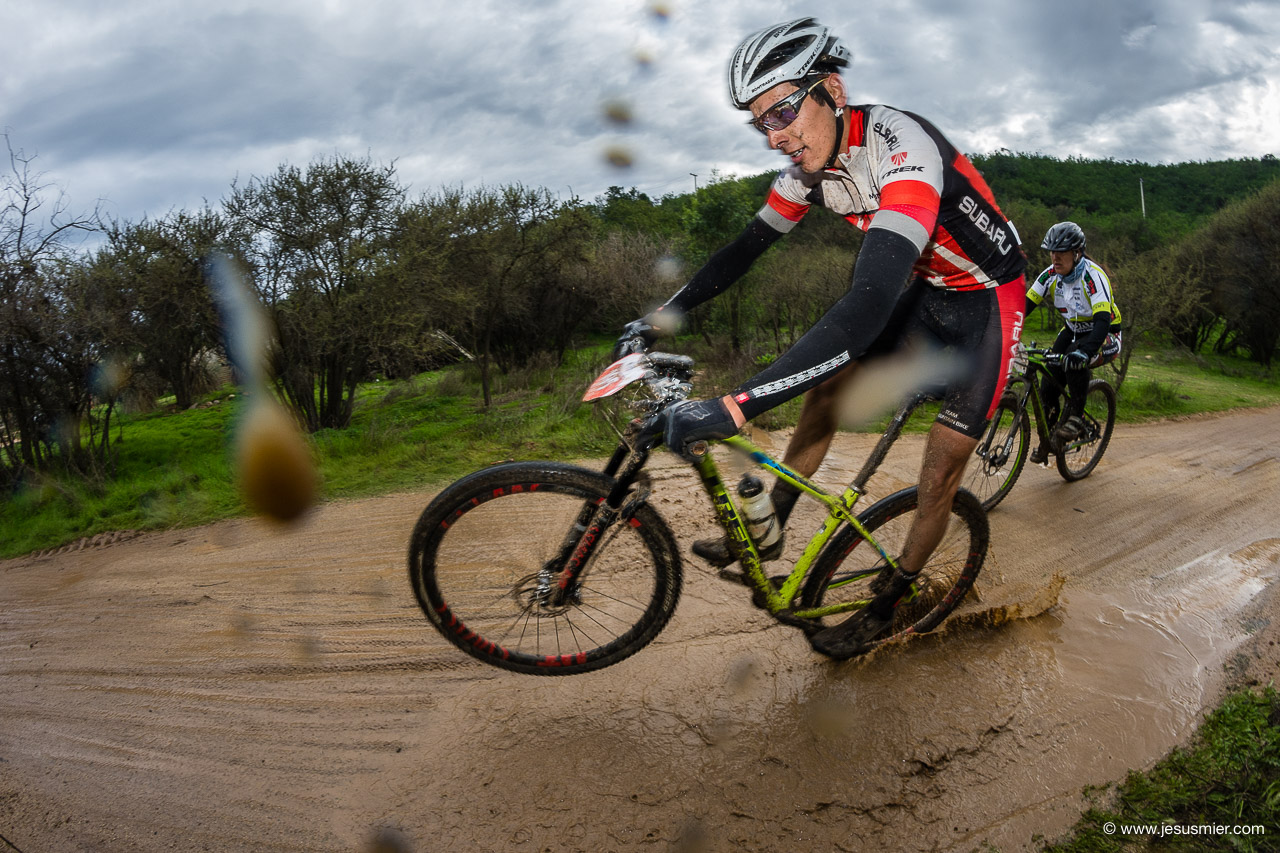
(808, 140)
(1063, 262)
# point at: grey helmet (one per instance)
(782, 53)
(1064, 237)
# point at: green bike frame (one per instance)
(778, 600)
(1037, 372)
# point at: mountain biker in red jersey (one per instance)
(1080, 290)
(940, 267)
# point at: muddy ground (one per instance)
(242, 687)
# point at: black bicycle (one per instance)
(1003, 450)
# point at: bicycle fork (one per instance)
(995, 457)
(559, 581)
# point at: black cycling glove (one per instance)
(692, 421)
(636, 337)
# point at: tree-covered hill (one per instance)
(1105, 187)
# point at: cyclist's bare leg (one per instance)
(945, 454)
(805, 451)
(816, 426)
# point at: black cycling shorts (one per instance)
(977, 330)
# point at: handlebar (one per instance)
(1042, 354)
(668, 376)
(670, 364)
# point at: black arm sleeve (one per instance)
(724, 268)
(1031, 306)
(844, 333)
(1092, 342)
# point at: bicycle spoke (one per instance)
(1081, 455)
(999, 457)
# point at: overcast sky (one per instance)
(153, 105)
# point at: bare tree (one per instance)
(156, 271)
(635, 272)
(43, 355)
(1160, 291)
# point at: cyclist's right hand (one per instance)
(636, 337)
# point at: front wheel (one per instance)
(848, 568)
(485, 554)
(1078, 457)
(1000, 455)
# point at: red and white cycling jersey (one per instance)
(901, 174)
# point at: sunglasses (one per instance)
(781, 114)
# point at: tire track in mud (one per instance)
(242, 686)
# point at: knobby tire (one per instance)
(1080, 456)
(848, 567)
(482, 553)
(998, 460)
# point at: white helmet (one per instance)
(781, 54)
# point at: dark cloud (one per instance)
(161, 105)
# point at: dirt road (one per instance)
(239, 687)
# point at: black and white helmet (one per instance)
(782, 53)
(1064, 237)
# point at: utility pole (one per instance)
(695, 181)
(1143, 196)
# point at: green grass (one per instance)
(1229, 776)
(175, 468)
(1166, 383)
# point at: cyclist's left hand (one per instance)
(1076, 360)
(636, 337)
(692, 421)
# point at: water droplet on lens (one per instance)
(618, 157)
(618, 112)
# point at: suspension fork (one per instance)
(986, 450)
(560, 577)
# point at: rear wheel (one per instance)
(484, 560)
(1000, 455)
(1078, 457)
(849, 566)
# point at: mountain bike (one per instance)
(548, 568)
(1003, 450)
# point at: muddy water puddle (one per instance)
(1001, 726)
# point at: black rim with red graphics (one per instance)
(486, 557)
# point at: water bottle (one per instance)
(757, 506)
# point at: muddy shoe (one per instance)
(1040, 455)
(852, 637)
(717, 553)
(1071, 429)
(881, 581)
